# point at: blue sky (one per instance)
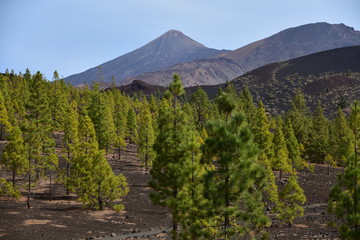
(71, 36)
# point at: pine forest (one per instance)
(224, 168)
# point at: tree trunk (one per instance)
(174, 221)
(355, 195)
(174, 230)
(29, 180)
(227, 204)
(36, 169)
(29, 190)
(100, 201)
(192, 176)
(146, 155)
(50, 190)
(13, 177)
(146, 161)
(1, 132)
(119, 153)
(67, 172)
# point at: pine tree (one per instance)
(230, 89)
(293, 147)
(271, 189)
(120, 120)
(261, 129)
(14, 154)
(7, 99)
(344, 196)
(8, 190)
(38, 131)
(107, 132)
(132, 131)
(4, 117)
(281, 159)
(51, 165)
(91, 176)
(154, 112)
(200, 103)
(189, 112)
(319, 137)
(58, 102)
(170, 171)
(247, 104)
(19, 93)
(146, 136)
(343, 138)
(292, 197)
(101, 115)
(71, 138)
(330, 162)
(194, 223)
(299, 117)
(235, 186)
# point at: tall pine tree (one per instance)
(170, 169)
(235, 186)
(4, 118)
(132, 126)
(146, 136)
(14, 154)
(344, 198)
(91, 175)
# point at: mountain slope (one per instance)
(295, 42)
(169, 49)
(285, 45)
(200, 72)
(332, 76)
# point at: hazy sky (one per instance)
(71, 36)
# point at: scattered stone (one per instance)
(113, 235)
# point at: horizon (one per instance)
(65, 36)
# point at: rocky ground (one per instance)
(64, 218)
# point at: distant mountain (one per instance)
(332, 76)
(169, 49)
(199, 72)
(288, 44)
(295, 42)
(138, 86)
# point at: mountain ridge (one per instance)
(284, 45)
(330, 76)
(171, 48)
(173, 51)
(295, 42)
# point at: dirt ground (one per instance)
(64, 218)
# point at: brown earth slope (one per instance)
(331, 76)
(64, 218)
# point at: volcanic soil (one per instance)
(65, 218)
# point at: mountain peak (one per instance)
(174, 38)
(174, 32)
(171, 48)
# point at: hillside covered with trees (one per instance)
(213, 163)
